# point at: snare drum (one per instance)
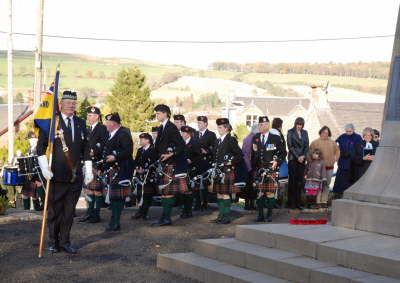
(27, 165)
(11, 178)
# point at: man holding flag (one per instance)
(70, 148)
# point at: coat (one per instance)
(78, 148)
(207, 142)
(96, 139)
(297, 146)
(263, 154)
(361, 165)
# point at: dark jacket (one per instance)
(297, 146)
(97, 138)
(78, 150)
(121, 146)
(227, 149)
(193, 153)
(262, 155)
(144, 158)
(361, 165)
(169, 138)
(207, 142)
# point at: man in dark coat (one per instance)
(268, 152)
(206, 139)
(170, 149)
(117, 154)
(145, 157)
(65, 175)
(97, 136)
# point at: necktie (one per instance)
(263, 139)
(69, 123)
(200, 135)
(219, 141)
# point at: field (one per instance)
(80, 71)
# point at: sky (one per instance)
(210, 20)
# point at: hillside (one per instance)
(81, 72)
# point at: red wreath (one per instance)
(305, 221)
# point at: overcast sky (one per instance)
(211, 20)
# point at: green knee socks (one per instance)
(225, 207)
(90, 208)
(116, 209)
(98, 202)
(167, 204)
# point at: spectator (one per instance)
(346, 174)
(298, 143)
(330, 154)
(376, 135)
(249, 193)
(365, 152)
(315, 177)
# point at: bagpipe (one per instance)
(265, 179)
(108, 173)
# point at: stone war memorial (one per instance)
(362, 244)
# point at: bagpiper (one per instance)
(65, 175)
(97, 136)
(117, 153)
(170, 149)
(206, 139)
(268, 152)
(227, 155)
(145, 174)
(194, 160)
(179, 121)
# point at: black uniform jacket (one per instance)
(207, 142)
(262, 155)
(144, 158)
(78, 150)
(97, 138)
(121, 146)
(193, 153)
(169, 139)
(228, 149)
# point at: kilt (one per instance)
(268, 186)
(29, 189)
(176, 185)
(228, 186)
(96, 185)
(312, 187)
(118, 192)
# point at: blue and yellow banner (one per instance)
(45, 116)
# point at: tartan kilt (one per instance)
(96, 185)
(228, 186)
(269, 185)
(29, 190)
(177, 185)
(118, 192)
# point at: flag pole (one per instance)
(53, 126)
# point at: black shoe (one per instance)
(84, 219)
(54, 248)
(216, 220)
(128, 204)
(138, 215)
(111, 228)
(69, 249)
(94, 219)
(269, 215)
(260, 219)
(224, 220)
(161, 222)
(299, 207)
(196, 208)
(204, 206)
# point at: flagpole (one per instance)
(53, 127)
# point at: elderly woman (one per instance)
(346, 175)
(298, 145)
(330, 154)
(365, 152)
(249, 193)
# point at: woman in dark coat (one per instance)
(365, 152)
(298, 144)
(346, 175)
